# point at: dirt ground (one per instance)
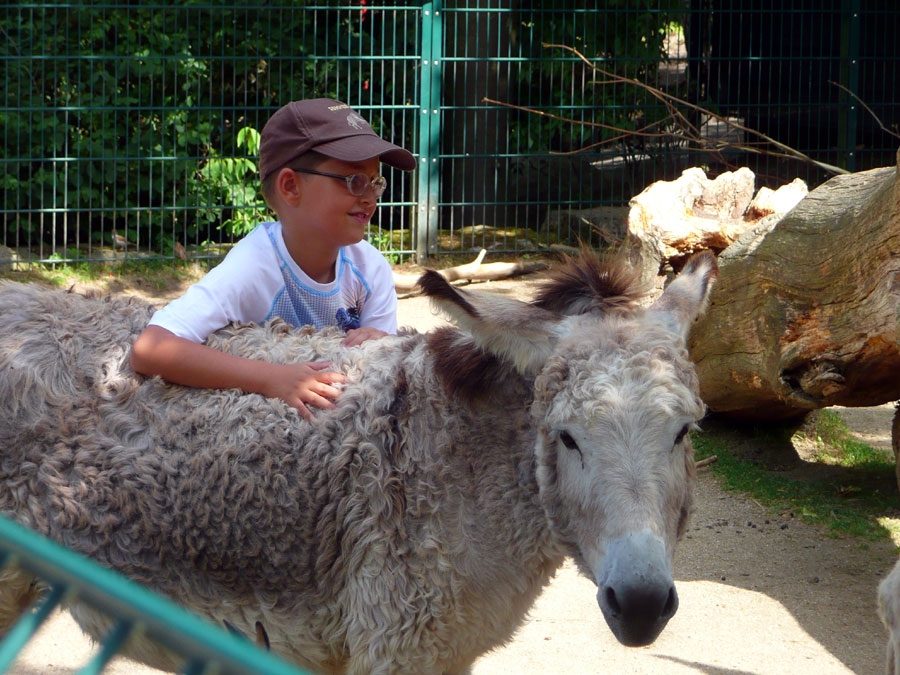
(760, 593)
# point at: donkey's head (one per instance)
(615, 398)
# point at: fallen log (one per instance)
(671, 220)
(473, 271)
(806, 311)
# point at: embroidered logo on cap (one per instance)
(356, 121)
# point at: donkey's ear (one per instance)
(685, 298)
(515, 332)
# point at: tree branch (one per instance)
(686, 131)
(472, 271)
(892, 132)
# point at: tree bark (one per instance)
(806, 312)
(670, 220)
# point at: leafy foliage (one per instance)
(144, 120)
(233, 177)
(136, 120)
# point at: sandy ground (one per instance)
(760, 593)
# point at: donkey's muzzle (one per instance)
(636, 592)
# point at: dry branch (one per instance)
(684, 131)
(700, 463)
(473, 271)
(881, 125)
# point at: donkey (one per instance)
(410, 528)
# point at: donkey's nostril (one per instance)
(612, 602)
(671, 604)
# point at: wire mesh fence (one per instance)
(129, 129)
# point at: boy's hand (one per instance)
(306, 384)
(356, 336)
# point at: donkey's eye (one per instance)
(682, 434)
(568, 441)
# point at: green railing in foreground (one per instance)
(131, 607)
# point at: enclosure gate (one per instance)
(131, 608)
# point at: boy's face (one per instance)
(327, 206)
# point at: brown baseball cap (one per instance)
(329, 127)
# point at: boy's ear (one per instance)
(288, 186)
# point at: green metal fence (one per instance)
(132, 610)
(129, 128)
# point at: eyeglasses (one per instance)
(357, 183)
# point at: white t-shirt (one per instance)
(258, 280)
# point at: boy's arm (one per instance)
(158, 351)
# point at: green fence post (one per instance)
(429, 130)
(850, 55)
(27, 625)
(133, 606)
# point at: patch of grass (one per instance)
(843, 485)
(56, 275)
(153, 274)
(838, 446)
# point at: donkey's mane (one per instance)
(579, 285)
(588, 283)
(462, 366)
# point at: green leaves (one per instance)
(145, 119)
(233, 181)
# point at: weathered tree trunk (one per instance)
(806, 312)
(671, 220)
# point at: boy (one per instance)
(319, 166)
